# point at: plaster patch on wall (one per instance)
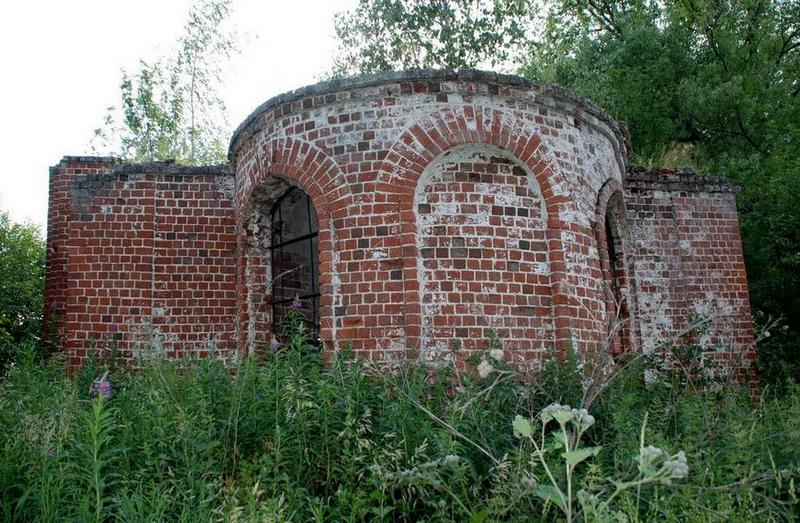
(482, 199)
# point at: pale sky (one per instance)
(61, 62)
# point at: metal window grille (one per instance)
(295, 256)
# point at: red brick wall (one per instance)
(616, 251)
(689, 265)
(360, 150)
(449, 205)
(59, 216)
(149, 262)
(482, 237)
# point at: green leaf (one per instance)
(522, 427)
(562, 416)
(557, 441)
(551, 494)
(574, 457)
(479, 517)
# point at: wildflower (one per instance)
(101, 386)
(583, 417)
(651, 453)
(496, 354)
(767, 334)
(51, 453)
(484, 369)
(648, 457)
(549, 412)
(676, 468)
(297, 304)
(522, 427)
(450, 460)
(527, 483)
(274, 344)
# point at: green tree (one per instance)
(713, 84)
(381, 35)
(171, 108)
(22, 252)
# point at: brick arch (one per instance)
(284, 162)
(495, 220)
(610, 188)
(449, 127)
(308, 167)
(611, 198)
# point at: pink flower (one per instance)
(101, 386)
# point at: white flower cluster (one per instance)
(676, 468)
(583, 417)
(549, 412)
(420, 471)
(672, 468)
(651, 454)
(564, 414)
(484, 369)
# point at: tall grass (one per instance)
(286, 438)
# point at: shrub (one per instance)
(284, 437)
(21, 287)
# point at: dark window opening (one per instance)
(613, 262)
(295, 259)
(616, 276)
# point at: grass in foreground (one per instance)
(286, 438)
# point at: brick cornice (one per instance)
(326, 92)
(683, 179)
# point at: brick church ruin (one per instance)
(404, 211)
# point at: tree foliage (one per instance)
(21, 286)
(381, 35)
(709, 83)
(171, 108)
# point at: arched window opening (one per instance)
(615, 275)
(295, 259)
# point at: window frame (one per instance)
(276, 247)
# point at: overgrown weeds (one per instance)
(285, 438)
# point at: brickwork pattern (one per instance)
(149, 262)
(59, 216)
(689, 264)
(482, 234)
(359, 153)
(449, 204)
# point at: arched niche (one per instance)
(482, 244)
(613, 245)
